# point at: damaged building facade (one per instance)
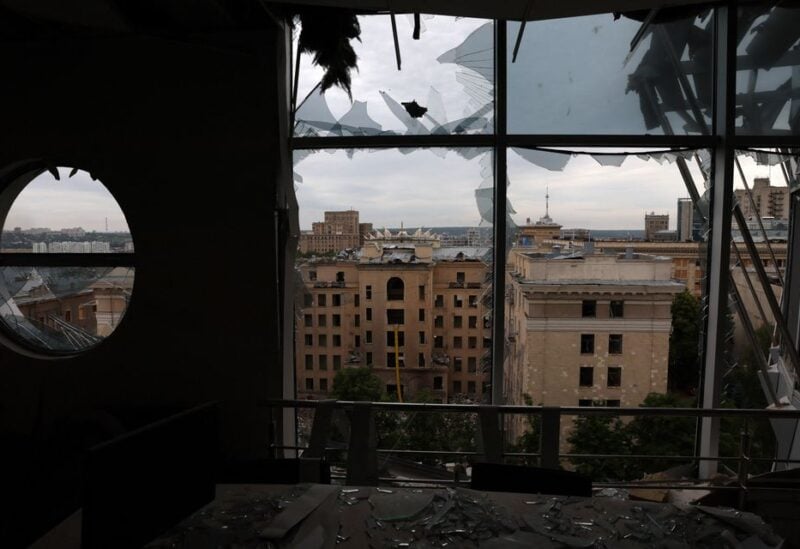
(398, 285)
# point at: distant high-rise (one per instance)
(770, 200)
(654, 223)
(339, 231)
(690, 223)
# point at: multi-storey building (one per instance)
(770, 201)
(401, 303)
(653, 223)
(587, 330)
(339, 231)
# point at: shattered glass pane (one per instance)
(598, 75)
(64, 309)
(445, 85)
(768, 70)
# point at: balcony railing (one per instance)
(362, 451)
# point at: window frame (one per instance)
(721, 139)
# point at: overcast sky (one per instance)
(71, 202)
(422, 189)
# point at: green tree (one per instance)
(662, 435)
(530, 440)
(743, 390)
(357, 384)
(596, 434)
(684, 343)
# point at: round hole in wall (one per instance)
(66, 261)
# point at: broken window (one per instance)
(589, 308)
(586, 376)
(614, 376)
(439, 301)
(457, 320)
(457, 364)
(616, 309)
(615, 344)
(587, 344)
(473, 322)
(438, 321)
(611, 74)
(336, 300)
(395, 316)
(390, 338)
(395, 289)
(443, 89)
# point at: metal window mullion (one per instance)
(499, 221)
(719, 252)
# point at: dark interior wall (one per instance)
(184, 134)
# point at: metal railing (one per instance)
(362, 450)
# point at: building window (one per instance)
(309, 362)
(323, 362)
(438, 321)
(322, 340)
(421, 292)
(473, 322)
(471, 387)
(309, 340)
(472, 342)
(340, 276)
(312, 275)
(615, 344)
(616, 309)
(458, 301)
(308, 300)
(395, 317)
(487, 342)
(309, 384)
(457, 364)
(422, 315)
(369, 314)
(613, 403)
(458, 342)
(390, 338)
(439, 301)
(357, 321)
(456, 386)
(337, 340)
(589, 308)
(321, 300)
(357, 300)
(472, 364)
(308, 320)
(460, 277)
(357, 340)
(437, 383)
(473, 301)
(322, 321)
(587, 344)
(369, 359)
(421, 360)
(368, 292)
(422, 338)
(393, 360)
(585, 402)
(323, 384)
(368, 336)
(438, 342)
(614, 376)
(336, 300)
(586, 376)
(337, 362)
(395, 289)
(457, 321)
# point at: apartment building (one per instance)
(587, 330)
(770, 200)
(401, 302)
(339, 230)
